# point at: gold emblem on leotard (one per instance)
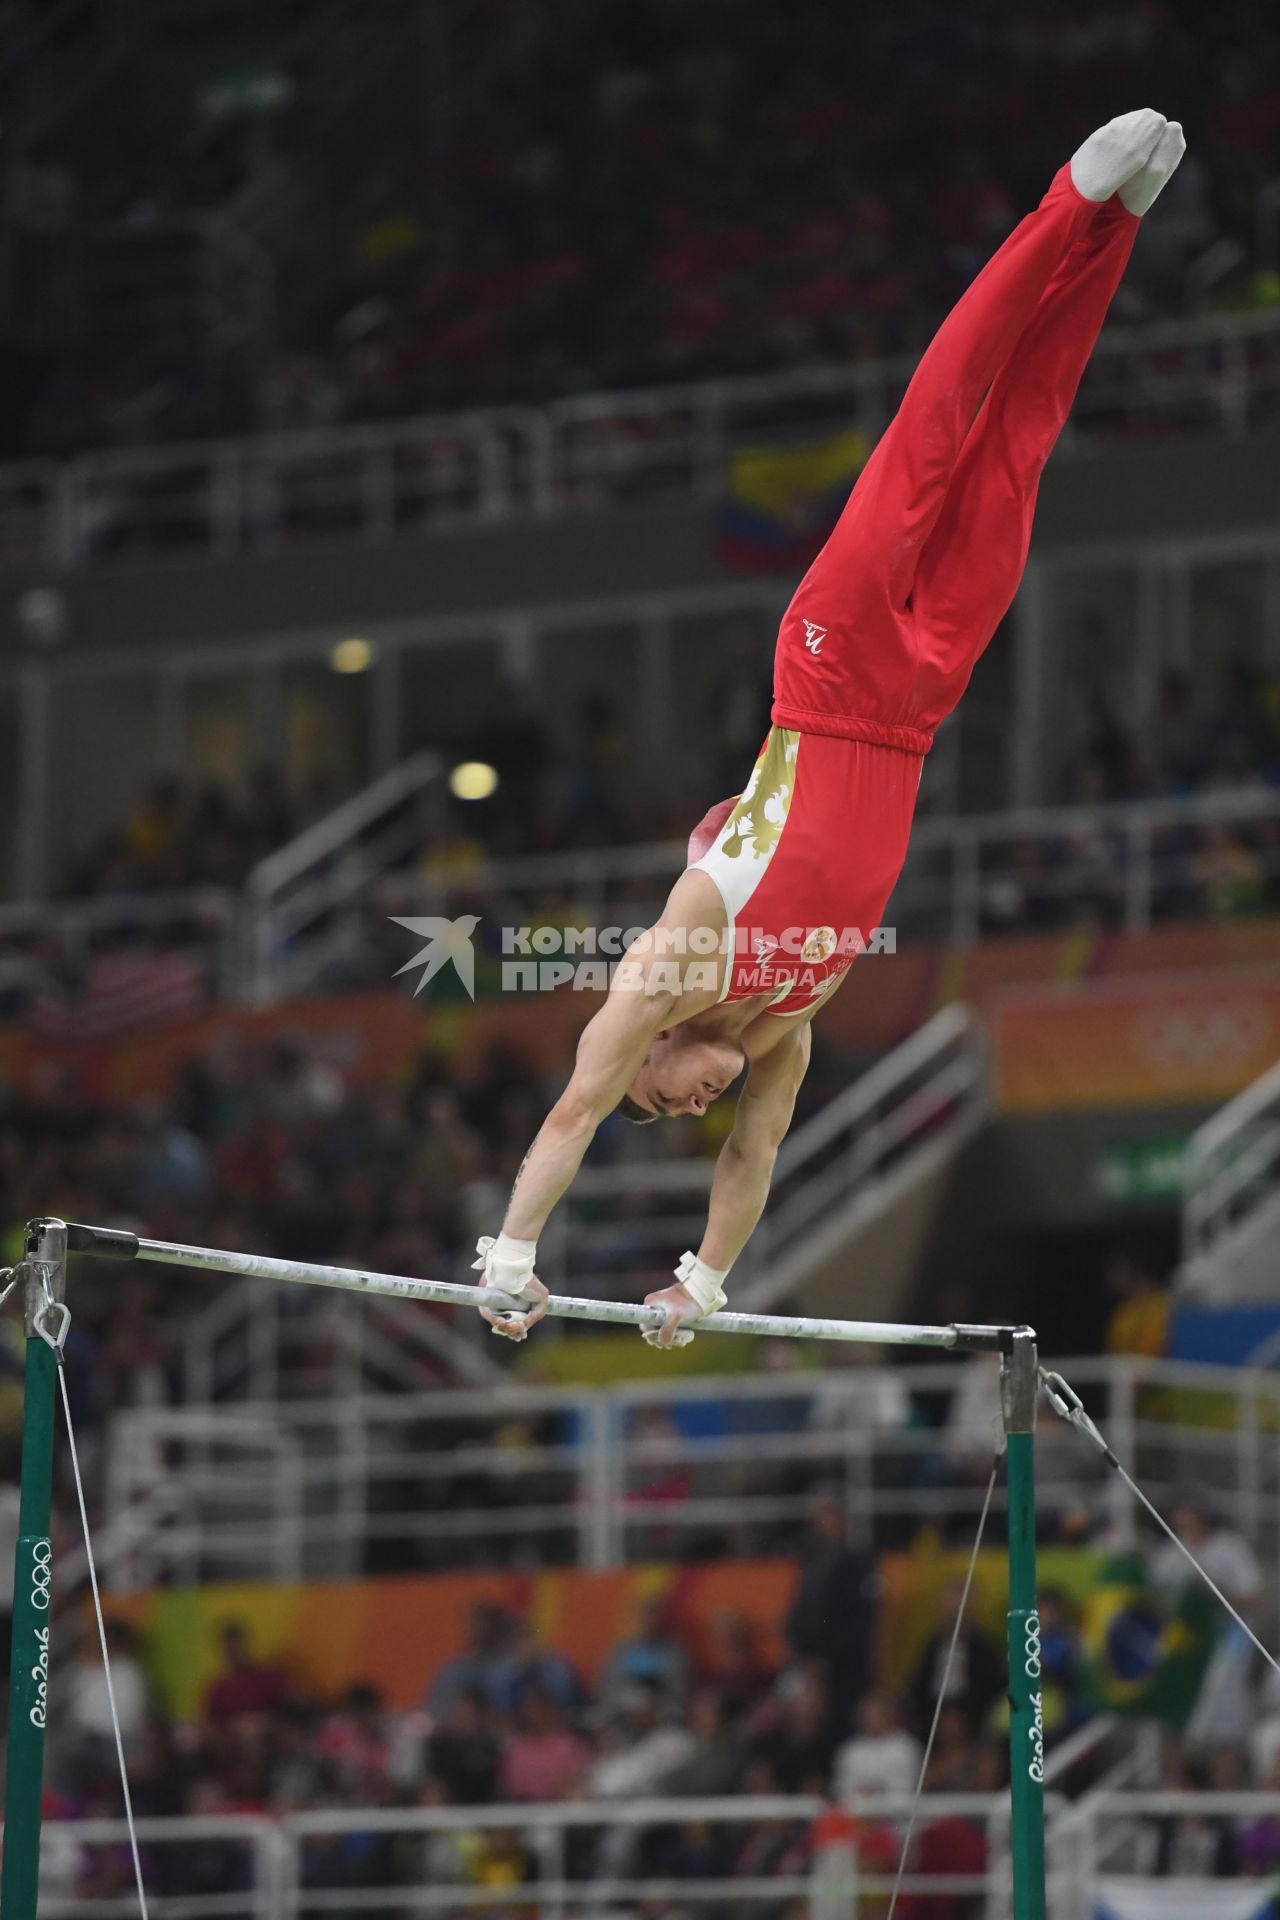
(820, 944)
(755, 825)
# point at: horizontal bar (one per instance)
(261, 1266)
(108, 1243)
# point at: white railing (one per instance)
(1106, 1844)
(702, 1466)
(318, 910)
(423, 1859)
(249, 1472)
(304, 898)
(965, 873)
(252, 1343)
(255, 1854)
(960, 869)
(53, 946)
(1115, 1840)
(1231, 1205)
(825, 1882)
(226, 498)
(375, 483)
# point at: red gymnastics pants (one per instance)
(884, 630)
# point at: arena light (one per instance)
(351, 656)
(473, 780)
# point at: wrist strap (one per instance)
(506, 1263)
(702, 1283)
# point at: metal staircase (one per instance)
(1231, 1204)
(303, 898)
(836, 1175)
(265, 1344)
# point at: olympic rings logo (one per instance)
(41, 1575)
(1031, 1650)
(1227, 1033)
(1031, 1666)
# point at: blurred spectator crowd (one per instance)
(266, 1147)
(573, 783)
(555, 790)
(180, 835)
(575, 791)
(270, 1150)
(1221, 742)
(512, 1719)
(792, 211)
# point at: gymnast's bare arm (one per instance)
(655, 987)
(744, 1169)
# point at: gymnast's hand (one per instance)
(699, 1290)
(508, 1265)
(679, 1307)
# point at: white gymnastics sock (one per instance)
(1138, 193)
(1111, 156)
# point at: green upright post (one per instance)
(45, 1259)
(1019, 1381)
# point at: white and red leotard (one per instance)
(805, 861)
(884, 630)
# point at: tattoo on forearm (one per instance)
(520, 1172)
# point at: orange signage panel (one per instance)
(1189, 1038)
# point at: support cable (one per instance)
(52, 1323)
(942, 1691)
(1066, 1402)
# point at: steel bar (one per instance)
(777, 1326)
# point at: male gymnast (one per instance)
(874, 651)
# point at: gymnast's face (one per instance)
(683, 1074)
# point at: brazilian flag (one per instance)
(1143, 1656)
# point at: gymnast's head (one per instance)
(682, 1074)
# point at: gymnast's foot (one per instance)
(1111, 157)
(1139, 191)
